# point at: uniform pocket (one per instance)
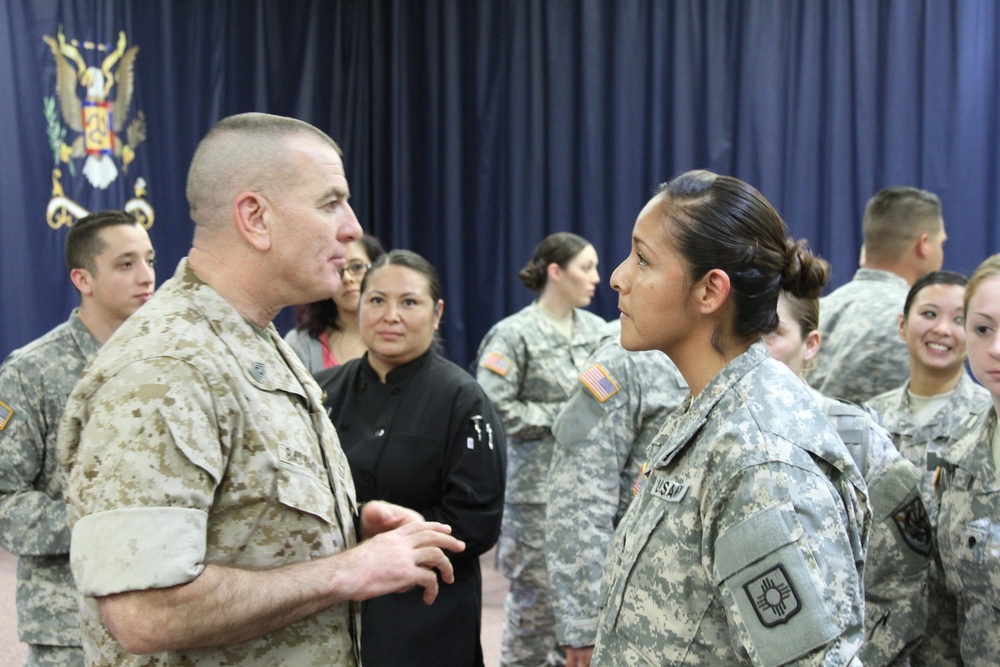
(301, 484)
(620, 571)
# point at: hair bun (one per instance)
(805, 274)
(533, 274)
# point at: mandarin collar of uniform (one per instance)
(399, 374)
(880, 276)
(84, 340)
(966, 389)
(972, 449)
(693, 413)
(267, 364)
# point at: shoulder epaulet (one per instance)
(852, 424)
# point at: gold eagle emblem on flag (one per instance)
(93, 100)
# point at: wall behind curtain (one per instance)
(473, 128)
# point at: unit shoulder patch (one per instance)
(773, 597)
(914, 526)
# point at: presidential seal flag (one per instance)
(94, 87)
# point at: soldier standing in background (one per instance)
(969, 515)
(862, 354)
(528, 364)
(923, 414)
(110, 261)
(900, 544)
(600, 445)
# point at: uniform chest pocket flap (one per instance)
(764, 570)
(978, 552)
(303, 484)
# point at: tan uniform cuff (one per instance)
(137, 549)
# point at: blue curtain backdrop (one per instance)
(473, 128)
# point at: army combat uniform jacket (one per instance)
(862, 353)
(747, 540)
(35, 382)
(529, 370)
(900, 545)
(601, 436)
(969, 537)
(195, 439)
(924, 446)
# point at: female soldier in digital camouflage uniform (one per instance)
(747, 540)
(900, 546)
(922, 416)
(528, 364)
(969, 515)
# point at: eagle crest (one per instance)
(98, 118)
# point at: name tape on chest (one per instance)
(5, 414)
(668, 489)
(496, 363)
(599, 383)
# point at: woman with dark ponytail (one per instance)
(528, 364)
(747, 540)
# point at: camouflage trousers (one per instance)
(529, 627)
(40, 655)
(939, 647)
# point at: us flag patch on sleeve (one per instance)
(5, 414)
(600, 384)
(496, 363)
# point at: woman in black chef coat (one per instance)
(418, 431)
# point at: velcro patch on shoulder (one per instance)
(599, 383)
(497, 363)
(5, 414)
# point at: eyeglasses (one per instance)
(355, 269)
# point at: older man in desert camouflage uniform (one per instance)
(601, 438)
(862, 354)
(211, 506)
(110, 262)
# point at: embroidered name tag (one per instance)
(668, 489)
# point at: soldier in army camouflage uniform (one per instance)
(969, 516)
(862, 355)
(528, 364)
(900, 544)
(747, 540)
(601, 438)
(212, 509)
(923, 414)
(110, 262)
